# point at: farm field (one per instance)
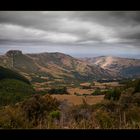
(78, 90)
(77, 100)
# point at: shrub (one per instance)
(37, 107)
(105, 119)
(55, 114)
(113, 94)
(12, 117)
(134, 83)
(86, 87)
(62, 90)
(137, 86)
(97, 92)
(133, 115)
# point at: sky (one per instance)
(77, 33)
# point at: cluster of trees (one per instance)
(137, 86)
(113, 94)
(61, 90)
(132, 83)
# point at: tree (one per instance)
(137, 86)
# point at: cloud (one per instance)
(80, 30)
(88, 30)
(16, 32)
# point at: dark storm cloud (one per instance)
(126, 25)
(64, 22)
(132, 16)
(35, 19)
(93, 29)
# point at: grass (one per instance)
(77, 100)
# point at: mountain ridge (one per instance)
(51, 66)
(60, 67)
(123, 67)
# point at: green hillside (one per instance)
(7, 73)
(13, 87)
(13, 91)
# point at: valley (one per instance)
(81, 77)
(76, 93)
(55, 90)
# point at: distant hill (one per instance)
(56, 67)
(62, 68)
(116, 66)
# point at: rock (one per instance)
(13, 53)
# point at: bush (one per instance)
(113, 94)
(137, 86)
(12, 117)
(133, 115)
(134, 83)
(86, 87)
(55, 114)
(97, 92)
(37, 107)
(62, 90)
(105, 119)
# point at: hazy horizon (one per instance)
(75, 55)
(77, 33)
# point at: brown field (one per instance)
(79, 91)
(112, 84)
(76, 100)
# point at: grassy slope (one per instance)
(13, 87)
(7, 73)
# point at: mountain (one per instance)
(116, 66)
(51, 67)
(62, 68)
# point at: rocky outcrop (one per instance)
(13, 53)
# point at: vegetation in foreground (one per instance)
(120, 109)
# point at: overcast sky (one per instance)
(78, 33)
